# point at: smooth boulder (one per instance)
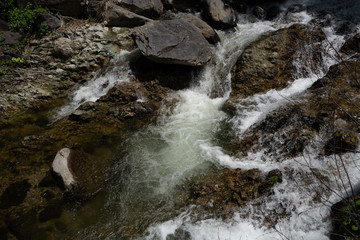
(172, 42)
(80, 174)
(219, 14)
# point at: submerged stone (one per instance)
(14, 194)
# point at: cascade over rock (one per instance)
(172, 42)
(266, 64)
(289, 129)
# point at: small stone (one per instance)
(59, 71)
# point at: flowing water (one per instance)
(143, 200)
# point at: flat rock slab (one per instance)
(173, 42)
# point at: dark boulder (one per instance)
(207, 31)
(171, 76)
(352, 45)
(14, 194)
(116, 16)
(71, 8)
(4, 26)
(148, 8)
(183, 5)
(50, 20)
(259, 12)
(11, 38)
(273, 13)
(219, 14)
(172, 42)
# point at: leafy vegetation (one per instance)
(25, 20)
(3, 72)
(13, 62)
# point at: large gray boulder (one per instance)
(219, 14)
(173, 42)
(207, 31)
(147, 8)
(116, 16)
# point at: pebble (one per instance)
(59, 71)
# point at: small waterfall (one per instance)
(117, 72)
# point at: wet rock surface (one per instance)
(266, 65)
(223, 191)
(172, 42)
(286, 131)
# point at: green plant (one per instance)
(13, 62)
(3, 72)
(24, 20)
(43, 30)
